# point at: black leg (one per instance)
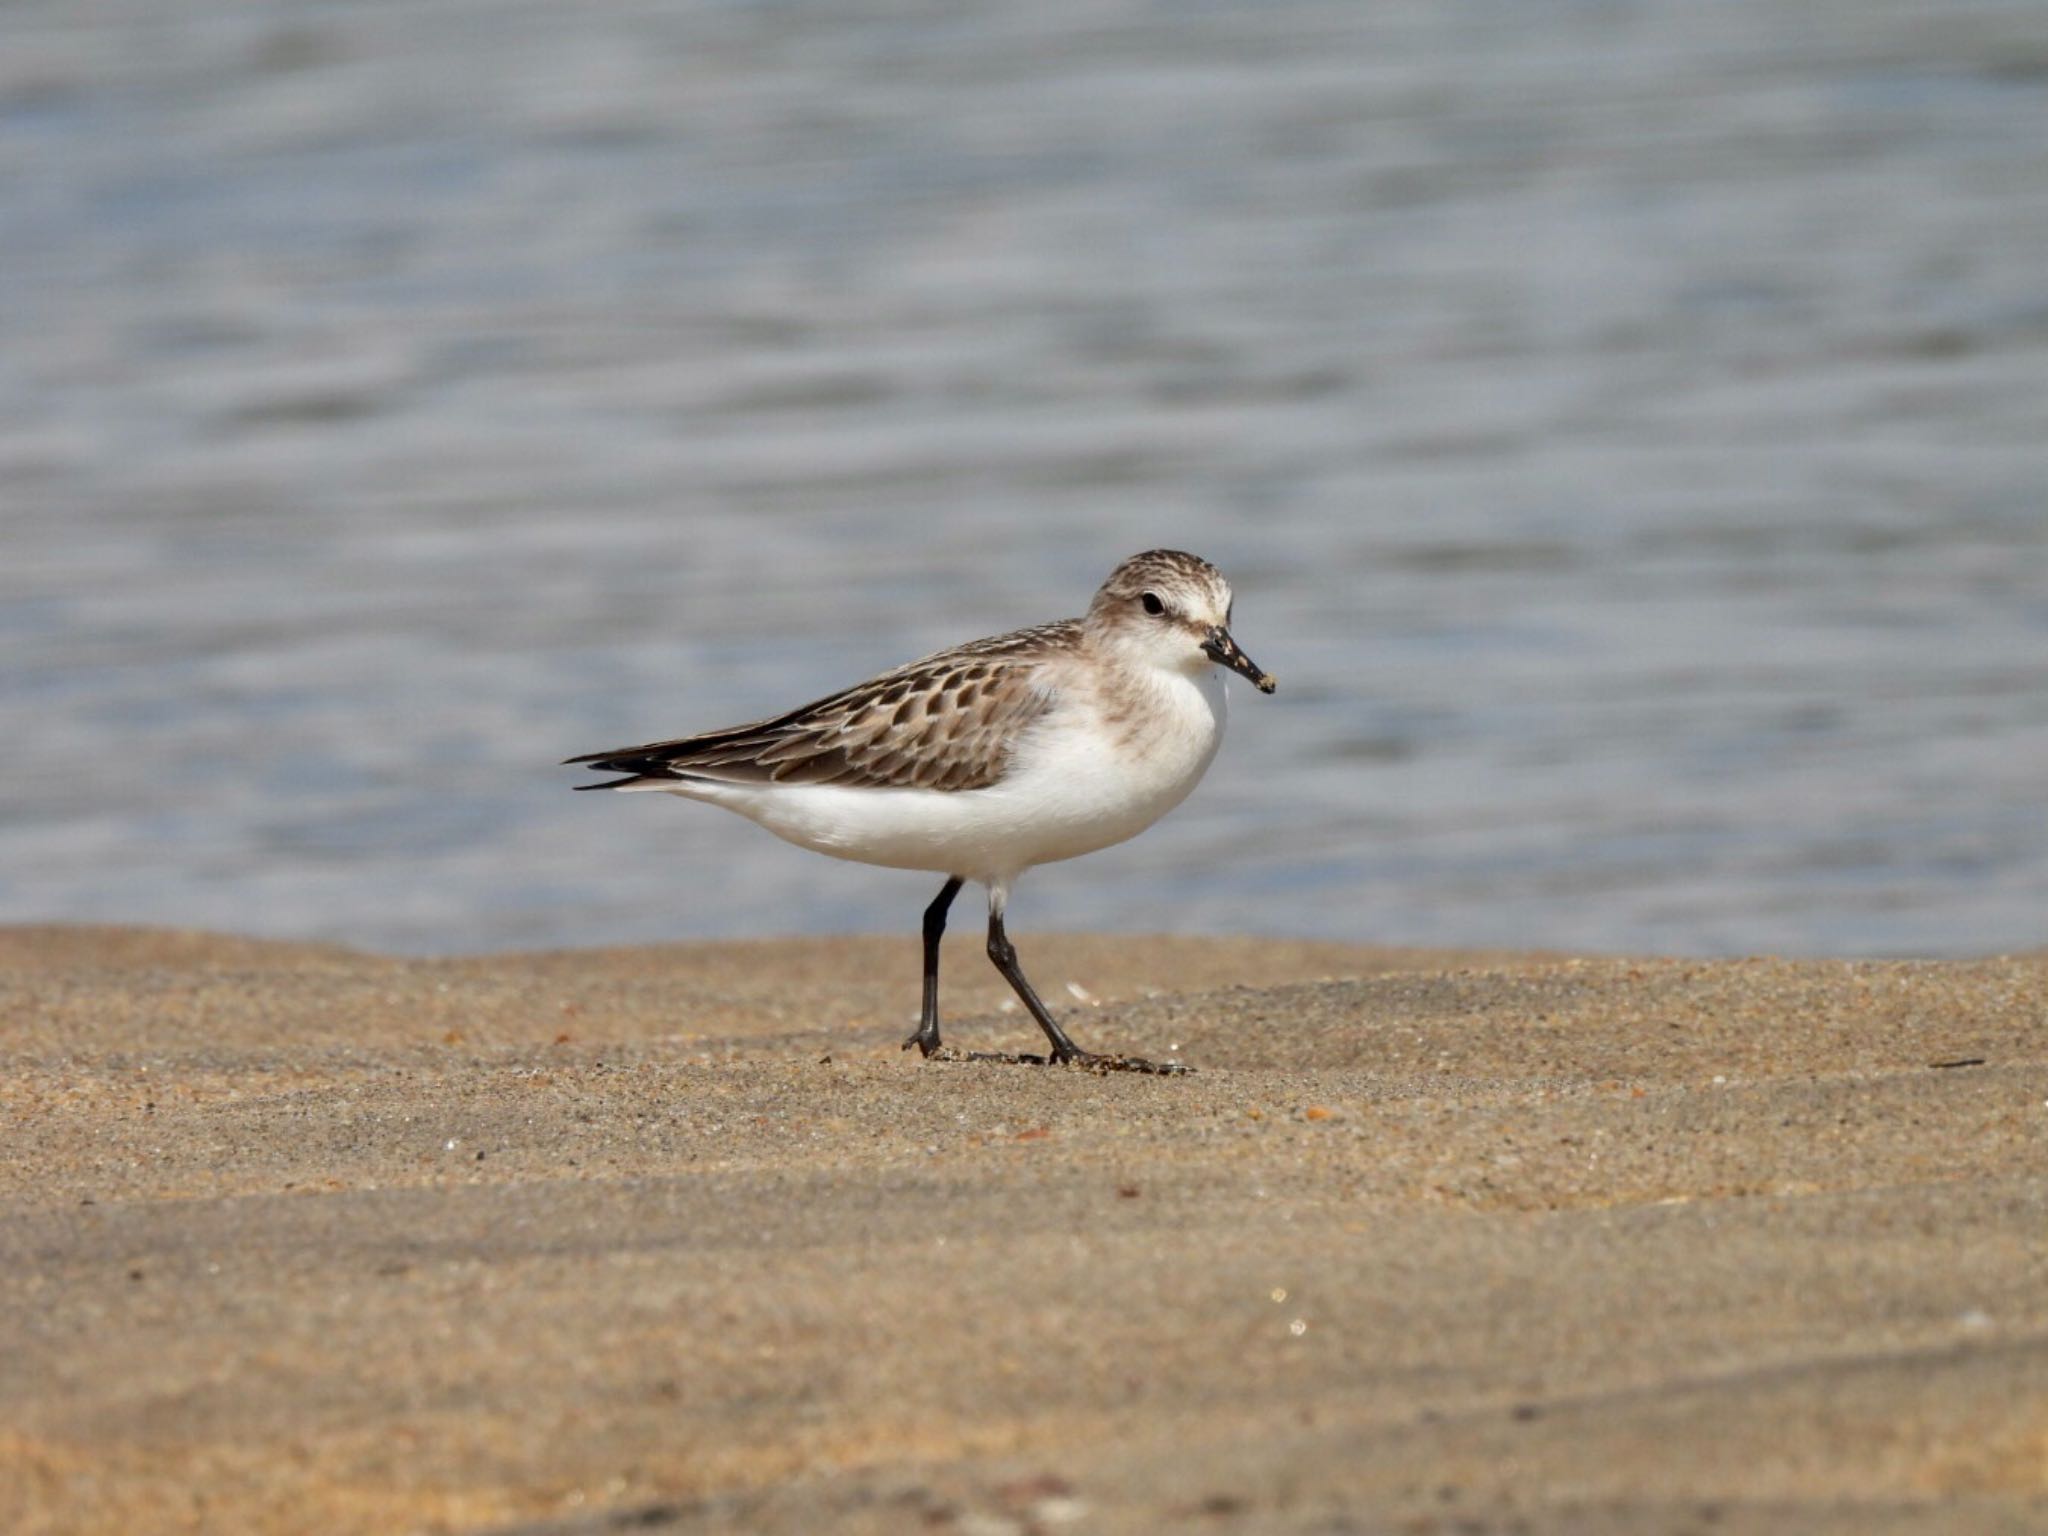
(927, 1037)
(1064, 1051)
(1004, 954)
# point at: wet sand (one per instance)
(299, 1239)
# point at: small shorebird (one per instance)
(979, 762)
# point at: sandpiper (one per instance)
(982, 761)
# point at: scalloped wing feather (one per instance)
(947, 722)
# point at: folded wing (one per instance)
(948, 722)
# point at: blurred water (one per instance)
(1626, 425)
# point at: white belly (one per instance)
(1078, 783)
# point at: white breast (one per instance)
(1095, 777)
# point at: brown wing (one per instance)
(947, 722)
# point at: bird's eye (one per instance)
(1152, 604)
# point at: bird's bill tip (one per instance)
(1221, 648)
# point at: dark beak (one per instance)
(1220, 647)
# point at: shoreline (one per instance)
(297, 1237)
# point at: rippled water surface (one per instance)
(1626, 425)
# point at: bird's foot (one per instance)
(1085, 1061)
(926, 1041)
(1089, 1061)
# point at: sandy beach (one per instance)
(294, 1238)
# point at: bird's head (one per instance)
(1173, 611)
